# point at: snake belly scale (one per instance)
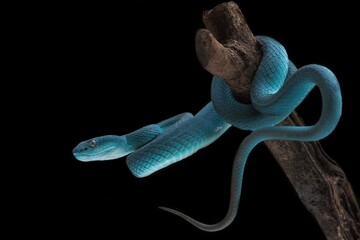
(277, 89)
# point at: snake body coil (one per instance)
(277, 89)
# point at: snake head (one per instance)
(102, 148)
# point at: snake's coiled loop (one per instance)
(268, 80)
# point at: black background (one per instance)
(111, 69)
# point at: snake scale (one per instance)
(277, 89)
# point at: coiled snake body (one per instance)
(277, 89)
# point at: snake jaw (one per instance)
(84, 157)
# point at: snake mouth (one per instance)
(99, 155)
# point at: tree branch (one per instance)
(228, 49)
(222, 44)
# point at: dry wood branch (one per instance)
(227, 48)
(222, 44)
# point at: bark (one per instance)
(227, 48)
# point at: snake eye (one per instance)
(92, 143)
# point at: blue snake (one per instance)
(277, 89)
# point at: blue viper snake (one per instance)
(277, 89)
